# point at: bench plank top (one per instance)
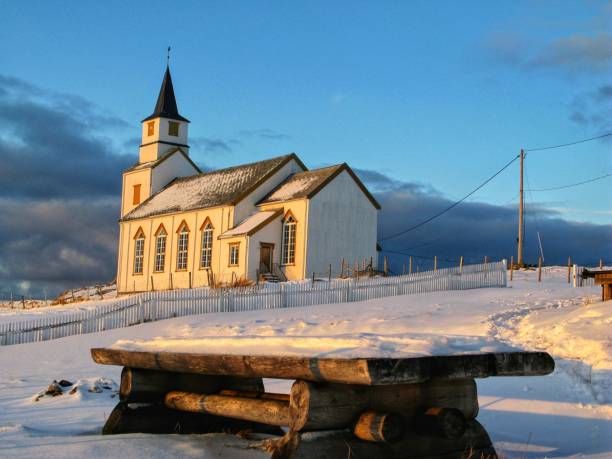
(366, 371)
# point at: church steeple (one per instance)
(165, 128)
(166, 102)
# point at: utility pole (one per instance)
(520, 225)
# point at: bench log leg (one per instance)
(342, 444)
(157, 419)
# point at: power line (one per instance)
(573, 184)
(433, 217)
(570, 143)
(511, 199)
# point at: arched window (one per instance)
(182, 244)
(138, 251)
(160, 249)
(288, 242)
(207, 243)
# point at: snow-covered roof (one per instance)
(308, 183)
(300, 184)
(253, 223)
(210, 189)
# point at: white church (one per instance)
(182, 227)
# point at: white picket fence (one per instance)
(152, 306)
(578, 280)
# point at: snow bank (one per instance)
(561, 415)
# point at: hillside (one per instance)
(565, 414)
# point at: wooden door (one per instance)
(265, 257)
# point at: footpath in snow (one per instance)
(565, 414)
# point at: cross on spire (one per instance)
(168, 57)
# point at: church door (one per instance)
(265, 257)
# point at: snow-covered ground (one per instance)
(564, 414)
(8, 314)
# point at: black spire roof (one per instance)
(166, 102)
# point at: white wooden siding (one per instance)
(341, 224)
(172, 167)
(247, 205)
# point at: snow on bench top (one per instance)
(358, 345)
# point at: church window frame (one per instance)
(182, 247)
(234, 254)
(139, 243)
(173, 128)
(161, 238)
(207, 244)
(289, 232)
(150, 128)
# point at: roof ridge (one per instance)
(333, 166)
(230, 168)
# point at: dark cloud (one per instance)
(572, 54)
(56, 244)
(581, 53)
(265, 133)
(379, 182)
(51, 149)
(594, 109)
(212, 145)
(604, 93)
(475, 229)
(59, 198)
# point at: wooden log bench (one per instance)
(370, 407)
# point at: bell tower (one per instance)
(164, 129)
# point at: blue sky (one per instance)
(442, 93)
(424, 99)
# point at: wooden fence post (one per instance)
(539, 269)
(569, 269)
(435, 262)
(385, 265)
(511, 266)
(461, 264)
(190, 284)
(171, 282)
(410, 266)
(152, 284)
(342, 269)
(329, 273)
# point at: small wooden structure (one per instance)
(372, 407)
(602, 277)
